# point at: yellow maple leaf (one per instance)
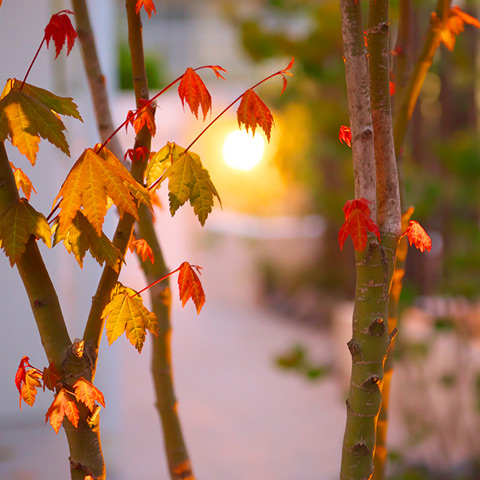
(88, 184)
(22, 181)
(126, 313)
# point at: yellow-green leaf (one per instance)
(187, 180)
(160, 161)
(80, 236)
(203, 190)
(17, 224)
(126, 313)
(60, 105)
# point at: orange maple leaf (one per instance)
(62, 405)
(357, 222)
(148, 5)
(23, 182)
(345, 135)
(455, 24)
(144, 117)
(418, 236)
(189, 285)
(61, 31)
(252, 112)
(142, 248)
(88, 394)
(193, 91)
(29, 387)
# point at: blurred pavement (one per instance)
(243, 418)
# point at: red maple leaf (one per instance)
(252, 112)
(392, 88)
(357, 223)
(193, 91)
(345, 135)
(418, 236)
(189, 285)
(61, 31)
(140, 153)
(21, 372)
(357, 203)
(129, 120)
(148, 5)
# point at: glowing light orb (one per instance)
(242, 151)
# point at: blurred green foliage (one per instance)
(442, 156)
(153, 65)
(297, 359)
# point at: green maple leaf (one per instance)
(18, 222)
(80, 236)
(160, 161)
(126, 313)
(187, 180)
(26, 115)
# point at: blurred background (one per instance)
(262, 373)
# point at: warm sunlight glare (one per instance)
(242, 151)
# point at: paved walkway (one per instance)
(244, 419)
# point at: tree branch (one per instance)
(36, 280)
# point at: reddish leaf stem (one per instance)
(53, 211)
(155, 282)
(280, 72)
(33, 61)
(143, 107)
